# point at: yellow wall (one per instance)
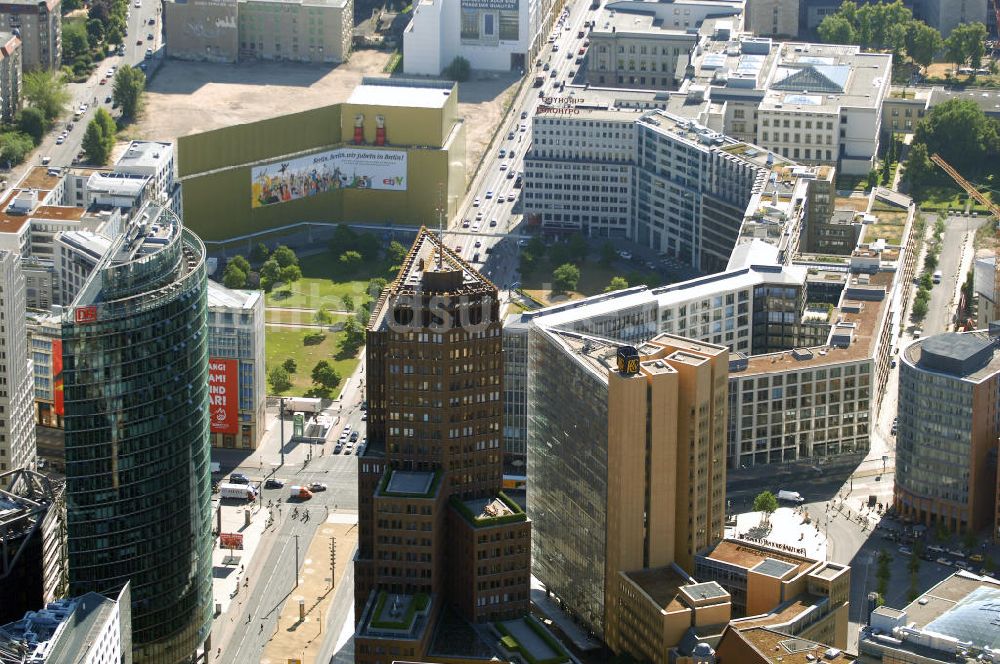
(663, 464)
(763, 593)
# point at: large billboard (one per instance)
(488, 22)
(343, 168)
(57, 378)
(224, 395)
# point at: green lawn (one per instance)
(287, 343)
(325, 282)
(594, 278)
(298, 317)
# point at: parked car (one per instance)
(354, 436)
(943, 561)
(906, 551)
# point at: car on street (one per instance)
(524, 127)
(338, 448)
(152, 20)
(107, 100)
(138, 42)
(274, 483)
(364, 416)
(510, 136)
(149, 53)
(316, 486)
(961, 564)
(150, 36)
(511, 174)
(466, 223)
(354, 436)
(60, 140)
(478, 243)
(552, 74)
(943, 561)
(976, 558)
(475, 203)
(489, 194)
(479, 217)
(510, 198)
(503, 153)
(546, 67)
(493, 221)
(625, 255)
(524, 115)
(46, 159)
(906, 551)
(239, 478)
(503, 167)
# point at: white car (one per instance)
(475, 203)
(503, 167)
(60, 140)
(626, 255)
(138, 4)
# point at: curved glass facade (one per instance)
(137, 438)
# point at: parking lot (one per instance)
(191, 97)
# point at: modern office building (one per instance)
(32, 542)
(38, 24)
(987, 298)
(955, 621)
(625, 459)
(946, 445)
(246, 30)
(152, 160)
(236, 356)
(648, 45)
(763, 645)
(135, 369)
(17, 429)
(436, 534)
(89, 629)
(10, 76)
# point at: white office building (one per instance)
(497, 35)
(153, 160)
(17, 422)
(89, 629)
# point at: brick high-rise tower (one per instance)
(436, 533)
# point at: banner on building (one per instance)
(224, 395)
(343, 168)
(488, 22)
(57, 378)
(231, 541)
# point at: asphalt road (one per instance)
(941, 306)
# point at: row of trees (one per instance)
(962, 134)
(890, 26)
(99, 138)
(45, 96)
(84, 42)
(282, 266)
(324, 376)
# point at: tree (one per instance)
(270, 274)
(234, 277)
(354, 335)
(967, 43)
(323, 316)
(95, 30)
(75, 40)
(922, 43)
(130, 82)
(835, 29)
(46, 91)
(919, 308)
(290, 365)
(766, 504)
(15, 146)
(578, 247)
(536, 247)
(33, 123)
(94, 143)
(919, 167)
(285, 256)
(608, 254)
(348, 302)
(239, 262)
(616, 283)
(259, 253)
(565, 277)
(290, 274)
(344, 239)
(350, 258)
(279, 379)
(961, 133)
(376, 286)
(396, 253)
(324, 375)
(459, 69)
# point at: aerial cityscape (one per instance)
(520, 331)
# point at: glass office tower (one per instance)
(137, 452)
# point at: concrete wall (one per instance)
(201, 30)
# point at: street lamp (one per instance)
(281, 417)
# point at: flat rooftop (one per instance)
(402, 92)
(774, 646)
(410, 481)
(969, 356)
(145, 154)
(220, 296)
(39, 178)
(747, 556)
(488, 508)
(661, 584)
(953, 593)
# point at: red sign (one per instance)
(86, 314)
(224, 395)
(231, 541)
(57, 378)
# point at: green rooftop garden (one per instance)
(418, 603)
(545, 650)
(475, 520)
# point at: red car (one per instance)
(104, 81)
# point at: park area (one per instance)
(316, 309)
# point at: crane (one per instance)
(981, 199)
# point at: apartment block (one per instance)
(246, 30)
(38, 23)
(11, 68)
(435, 529)
(949, 386)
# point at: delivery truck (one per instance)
(303, 405)
(791, 496)
(299, 493)
(237, 491)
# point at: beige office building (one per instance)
(229, 31)
(10, 76)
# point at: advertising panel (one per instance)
(57, 378)
(231, 541)
(224, 395)
(343, 168)
(489, 21)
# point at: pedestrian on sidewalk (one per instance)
(261, 628)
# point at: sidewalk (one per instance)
(302, 639)
(550, 607)
(227, 576)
